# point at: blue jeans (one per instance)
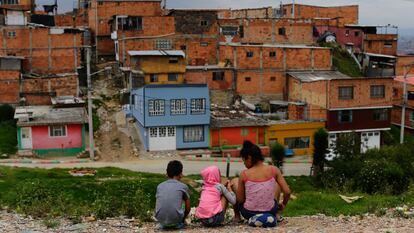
(247, 214)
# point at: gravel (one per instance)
(12, 222)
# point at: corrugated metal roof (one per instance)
(318, 76)
(297, 46)
(176, 53)
(46, 115)
(240, 122)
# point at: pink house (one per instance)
(44, 130)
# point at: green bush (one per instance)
(277, 151)
(320, 143)
(8, 137)
(6, 112)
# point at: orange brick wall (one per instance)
(345, 14)
(267, 31)
(9, 86)
(63, 86)
(69, 21)
(374, 43)
(361, 93)
(62, 48)
(401, 61)
(267, 82)
(206, 77)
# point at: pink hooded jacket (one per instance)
(210, 203)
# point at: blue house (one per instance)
(172, 116)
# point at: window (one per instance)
(272, 79)
(244, 132)
(183, 47)
(203, 23)
(347, 33)
(193, 134)
(172, 77)
(345, 116)
(130, 23)
(11, 2)
(272, 54)
(11, 34)
(297, 143)
(377, 91)
(178, 107)
(412, 116)
(356, 34)
(203, 44)
(229, 31)
(162, 132)
(346, 93)
(241, 31)
(282, 31)
(163, 44)
(153, 132)
(218, 76)
(156, 107)
(100, 3)
(249, 54)
(198, 106)
(153, 78)
(171, 131)
(173, 60)
(247, 79)
(57, 131)
(380, 114)
(388, 44)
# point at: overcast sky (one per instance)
(395, 12)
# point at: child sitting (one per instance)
(214, 198)
(170, 195)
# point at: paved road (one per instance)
(159, 166)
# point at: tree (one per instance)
(347, 146)
(277, 152)
(320, 143)
(6, 113)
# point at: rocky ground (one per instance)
(12, 222)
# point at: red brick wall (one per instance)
(9, 86)
(374, 43)
(404, 60)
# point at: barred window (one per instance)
(153, 132)
(193, 134)
(377, 91)
(346, 93)
(198, 106)
(171, 131)
(345, 116)
(57, 131)
(163, 44)
(380, 114)
(156, 107)
(172, 77)
(178, 107)
(218, 75)
(297, 143)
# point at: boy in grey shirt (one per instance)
(170, 197)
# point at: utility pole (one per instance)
(405, 99)
(90, 121)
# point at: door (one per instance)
(370, 140)
(26, 138)
(162, 138)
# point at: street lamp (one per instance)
(89, 82)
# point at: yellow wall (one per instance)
(291, 130)
(163, 79)
(160, 64)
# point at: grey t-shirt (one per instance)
(170, 196)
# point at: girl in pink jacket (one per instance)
(214, 198)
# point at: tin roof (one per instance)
(297, 46)
(318, 76)
(46, 115)
(175, 53)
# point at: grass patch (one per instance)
(343, 62)
(112, 192)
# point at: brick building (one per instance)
(361, 105)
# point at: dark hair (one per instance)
(174, 168)
(251, 149)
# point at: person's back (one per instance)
(170, 196)
(260, 188)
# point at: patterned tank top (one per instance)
(260, 194)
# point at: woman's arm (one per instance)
(283, 186)
(240, 194)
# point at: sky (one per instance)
(377, 12)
